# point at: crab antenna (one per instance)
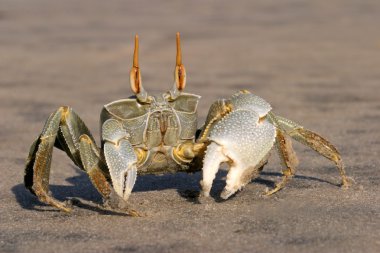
(180, 71)
(135, 75)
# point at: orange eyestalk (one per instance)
(180, 71)
(179, 53)
(135, 75)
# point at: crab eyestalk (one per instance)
(135, 75)
(179, 72)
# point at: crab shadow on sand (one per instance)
(187, 186)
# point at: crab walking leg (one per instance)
(94, 166)
(314, 141)
(66, 131)
(76, 140)
(213, 158)
(38, 163)
(288, 159)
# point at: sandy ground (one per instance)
(316, 62)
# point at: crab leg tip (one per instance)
(347, 182)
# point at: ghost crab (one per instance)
(147, 134)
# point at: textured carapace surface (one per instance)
(157, 127)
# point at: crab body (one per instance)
(154, 130)
(158, 134)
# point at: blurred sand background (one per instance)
(316, 62)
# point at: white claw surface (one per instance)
(213, 158)
(251, 102)
(244, 139)
(121, 161)
(241, 139)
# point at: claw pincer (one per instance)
(120, 157)
(242, 139)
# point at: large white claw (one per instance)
(243, 140)
(120, 157)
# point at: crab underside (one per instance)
(158, 134)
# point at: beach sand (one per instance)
(316, 62)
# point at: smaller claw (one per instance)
(121, 161)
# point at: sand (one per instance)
(316, 62)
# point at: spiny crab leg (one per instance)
(65, 130)
(314, 141)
